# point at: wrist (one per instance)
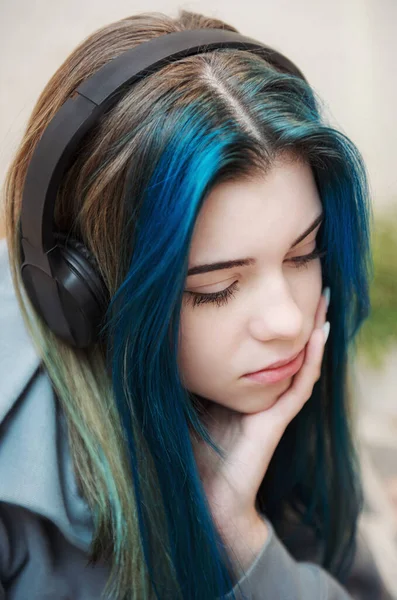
(244, 538)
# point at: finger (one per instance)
(311, 369)
(290, 403)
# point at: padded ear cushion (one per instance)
(68, 241)
(80, 258)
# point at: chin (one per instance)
(256, 405)
(259, 403)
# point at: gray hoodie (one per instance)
(45, 524)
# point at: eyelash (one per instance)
(222, 297)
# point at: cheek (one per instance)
(207, 342)
(198, 340)
(307, 289)
(317, 281)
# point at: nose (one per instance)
(275, 314)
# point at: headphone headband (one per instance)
(96, 95)
(59, 142)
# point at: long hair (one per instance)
(132, 195)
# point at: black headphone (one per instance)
(60, 275)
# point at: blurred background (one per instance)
(347, 49)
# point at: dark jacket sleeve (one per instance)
(364, 581)
(276, 575)
(293, 573)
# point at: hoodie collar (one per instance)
(19, 360)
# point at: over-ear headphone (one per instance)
(59, 273)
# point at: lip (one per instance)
(274, 374)
(275, 365)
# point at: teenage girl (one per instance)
(174, 422)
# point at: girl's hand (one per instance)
(249, 440)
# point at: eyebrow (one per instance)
(243, 262)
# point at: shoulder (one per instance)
(19, 362)
(35, 461)
(45, 525)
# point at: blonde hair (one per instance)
(232, 114)
(90, 204)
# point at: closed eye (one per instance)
(222, 297)
(302, 261)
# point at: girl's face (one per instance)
(270, 315)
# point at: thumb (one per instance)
(292, 401)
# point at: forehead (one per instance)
(243, 216)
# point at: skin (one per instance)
(278, 310)
(271, 316)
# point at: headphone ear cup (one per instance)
(82, 292)
(76, 253)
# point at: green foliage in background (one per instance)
(379, 332)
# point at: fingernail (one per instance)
(327, 296)
(326, 328)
